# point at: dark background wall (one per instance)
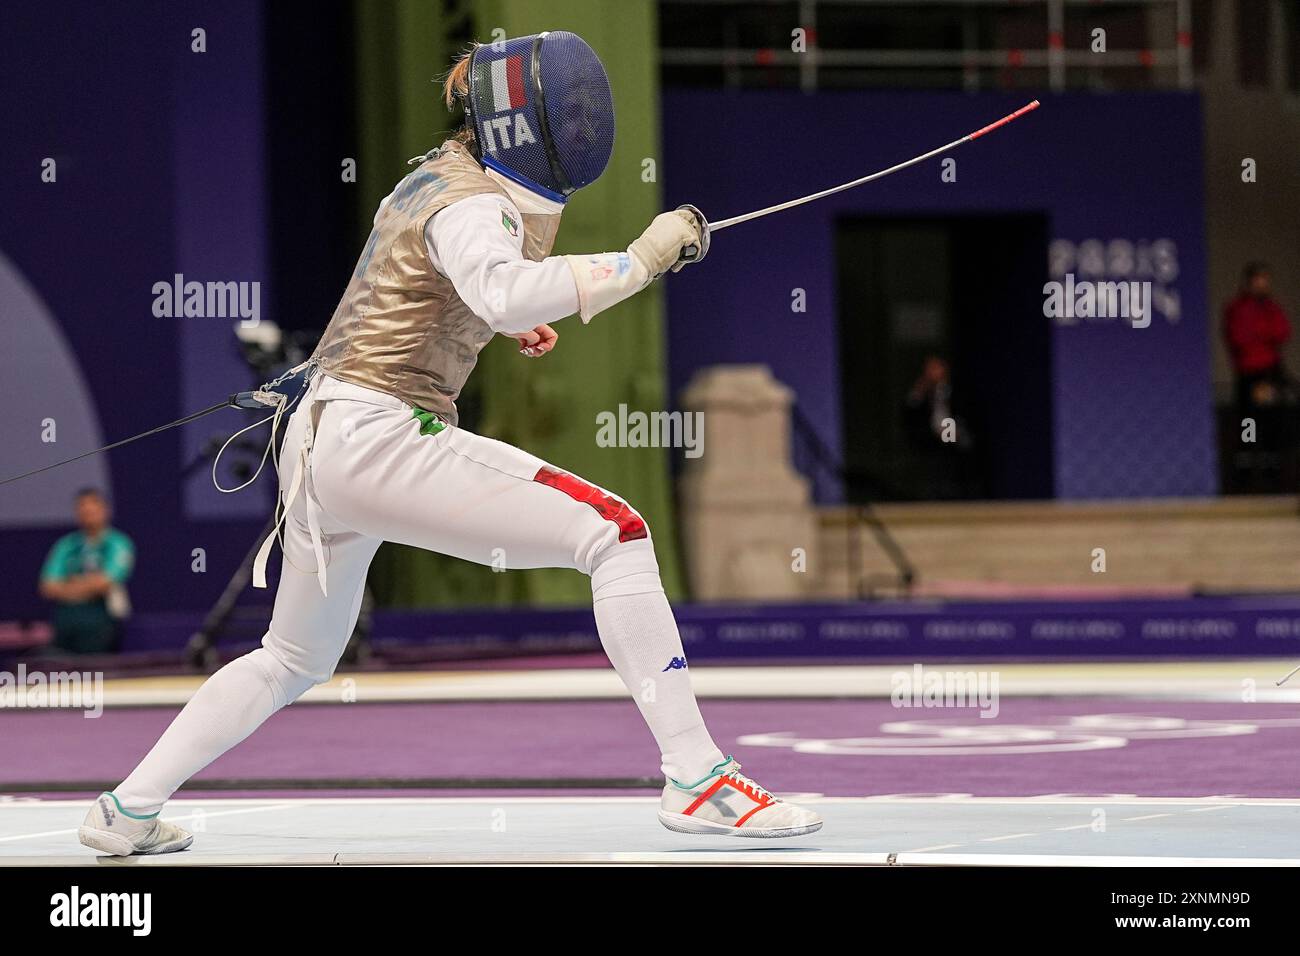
(943, 286)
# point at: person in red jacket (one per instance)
(1255, 328)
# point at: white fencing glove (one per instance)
(608, 278)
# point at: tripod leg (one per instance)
(201, 652)
(358, 650)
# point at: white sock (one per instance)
(639, 634)
(230, 705)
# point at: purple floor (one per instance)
(1175, 749)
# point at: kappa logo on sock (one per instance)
(676, 664)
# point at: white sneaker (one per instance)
(109, 828)
(727, 803)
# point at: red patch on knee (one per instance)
(630, 525)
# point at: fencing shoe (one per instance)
(727, 803)
(111, 829)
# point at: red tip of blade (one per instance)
(1006, 119)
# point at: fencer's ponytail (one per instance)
(455, 88)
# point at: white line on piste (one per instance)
(998, 859)
(1149, 816)
(202, 814)
(930, 849)
(1009, 836)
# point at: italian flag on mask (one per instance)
(501, 86)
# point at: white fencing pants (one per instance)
(376, 473)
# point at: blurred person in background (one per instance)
(1255, 328)
(85, 576)
(940, 437)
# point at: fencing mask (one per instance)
(542, 112)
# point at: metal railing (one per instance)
(862, 514)
(812, 59)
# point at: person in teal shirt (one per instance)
(85, 576)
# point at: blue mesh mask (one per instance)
(542, 112)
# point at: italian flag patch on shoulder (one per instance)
(508, 222)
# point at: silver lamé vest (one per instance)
(400, 327)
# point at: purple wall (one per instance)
(221, 227)
(157, 150)
(1133, 409)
